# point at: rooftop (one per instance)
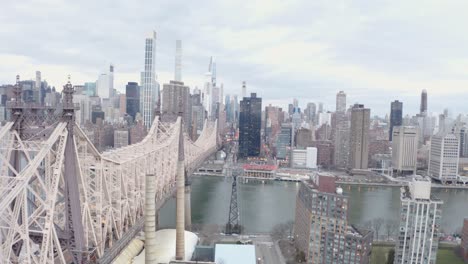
(235, 254)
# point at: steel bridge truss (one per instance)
(34, 226)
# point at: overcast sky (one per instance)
(375, 51)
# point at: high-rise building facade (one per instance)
(105, 84)
(423, 106)
(405, 149)
(198, 115)
(420, 219)
(464, 240)
(283, 141)
(250, 122)
(340, 102)
(341, 140)
(444, 157)
(310, 112)
(120, 138)
(90, 88)
(132, 93)
(359, 137)
(149, 93)
(321, 230)
(175, 99)
(396, 116)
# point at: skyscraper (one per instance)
(396, 116)
(359, 139)
(132, 93)
(244, 89)
(250, 122)
(423, 106)
(341, 152)
(175, 99)
(105, 84)
(444, 157)
(340, 102)
(420, 219)
(405, 148)
(283, 141)
(178, 61)
(321, 230)
(149, 93)
(310, 112)
(37, 88)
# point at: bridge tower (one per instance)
(23, 115)
(232, 226)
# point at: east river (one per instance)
(264, 205)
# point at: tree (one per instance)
(280, 231)
(300, 257)
(391, 227)
(377, 224)
(391, 256)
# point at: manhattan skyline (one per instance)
(376, 53)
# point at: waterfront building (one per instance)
(420, 219)
(444, 157)
(304, 158)
(321, 230)
(259, 171)
(464, 240)
(405, 149)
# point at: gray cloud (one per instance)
(375, 51)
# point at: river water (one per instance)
(264, 205)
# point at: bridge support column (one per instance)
(150, 219)
(188, 207)
(180, 211)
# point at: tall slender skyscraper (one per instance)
(37, 88)
(423, 107)
(244, 89)
(359, 140)
(149, 93)
(396, 116)
(340, 102)
(178, 61)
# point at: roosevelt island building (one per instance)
(321, 231)
(250, 123)
(420, 218)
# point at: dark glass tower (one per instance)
(250, 122)
(423, 106)
(396, 116)
(132, 93)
